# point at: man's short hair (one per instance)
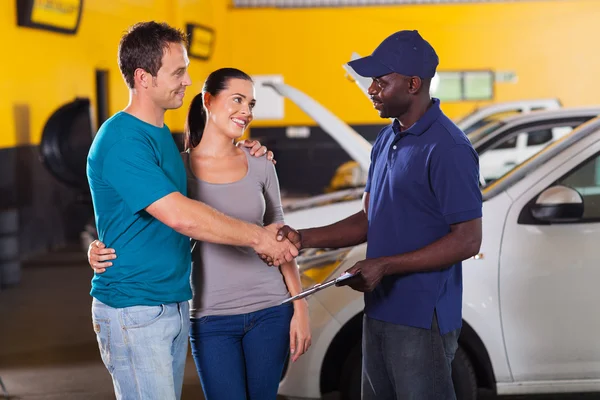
(143, 47)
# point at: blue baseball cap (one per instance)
(404, 52)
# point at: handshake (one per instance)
(278, 244)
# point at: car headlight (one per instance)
(316, 265)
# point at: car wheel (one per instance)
(463, 375)
(351, 374)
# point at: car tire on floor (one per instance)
(463, 375)
(351, 374)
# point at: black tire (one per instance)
(351, 374)
(463, 376)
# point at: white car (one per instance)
(530, 296)
(508, 142)
(490, 113)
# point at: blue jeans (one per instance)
(242, 356)
(403, 362)
(144, 348)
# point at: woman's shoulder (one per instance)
(257, 166)
(256, 162)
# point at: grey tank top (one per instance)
(230, 280)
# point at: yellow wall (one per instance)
(42, 70)
(210, 13)
(551, 45)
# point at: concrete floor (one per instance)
(48, 349)
(47, 346)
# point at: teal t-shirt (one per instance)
(131, 164)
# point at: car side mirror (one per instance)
(558, 204)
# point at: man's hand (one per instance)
(276, 252)
(257, 149)
(371, 272)
(284, 232)
(289, 233)
(99, 256)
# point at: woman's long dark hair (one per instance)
(216, 82)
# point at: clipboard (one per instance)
(342, 280)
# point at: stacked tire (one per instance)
(10, 265)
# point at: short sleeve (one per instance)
(455, 183)
(374, 153)
(131, 168)
(370, 176)
(273, 207)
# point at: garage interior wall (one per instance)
(308, 46)
(43, 70)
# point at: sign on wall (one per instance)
(54, 15)
(463, 85)
(201, 41)
(269, 103)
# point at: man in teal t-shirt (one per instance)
(138, 184)
(131, 165)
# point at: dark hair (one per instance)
(216, 82)
(143, 46)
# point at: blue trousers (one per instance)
(242, 356)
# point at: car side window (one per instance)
(508, 143)
(539, 137)
(586, 180)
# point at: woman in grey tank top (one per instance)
(240, 333)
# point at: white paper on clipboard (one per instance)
(337, 282)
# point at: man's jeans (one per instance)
(144, 348)
(403, 362)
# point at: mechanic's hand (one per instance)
(278, 252)
(257, 149)
(371, 272)
(99, 256)
(285, 232)
(290, 234)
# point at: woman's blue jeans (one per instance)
(242, 356)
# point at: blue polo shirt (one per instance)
(421, 181)
(132, 164)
